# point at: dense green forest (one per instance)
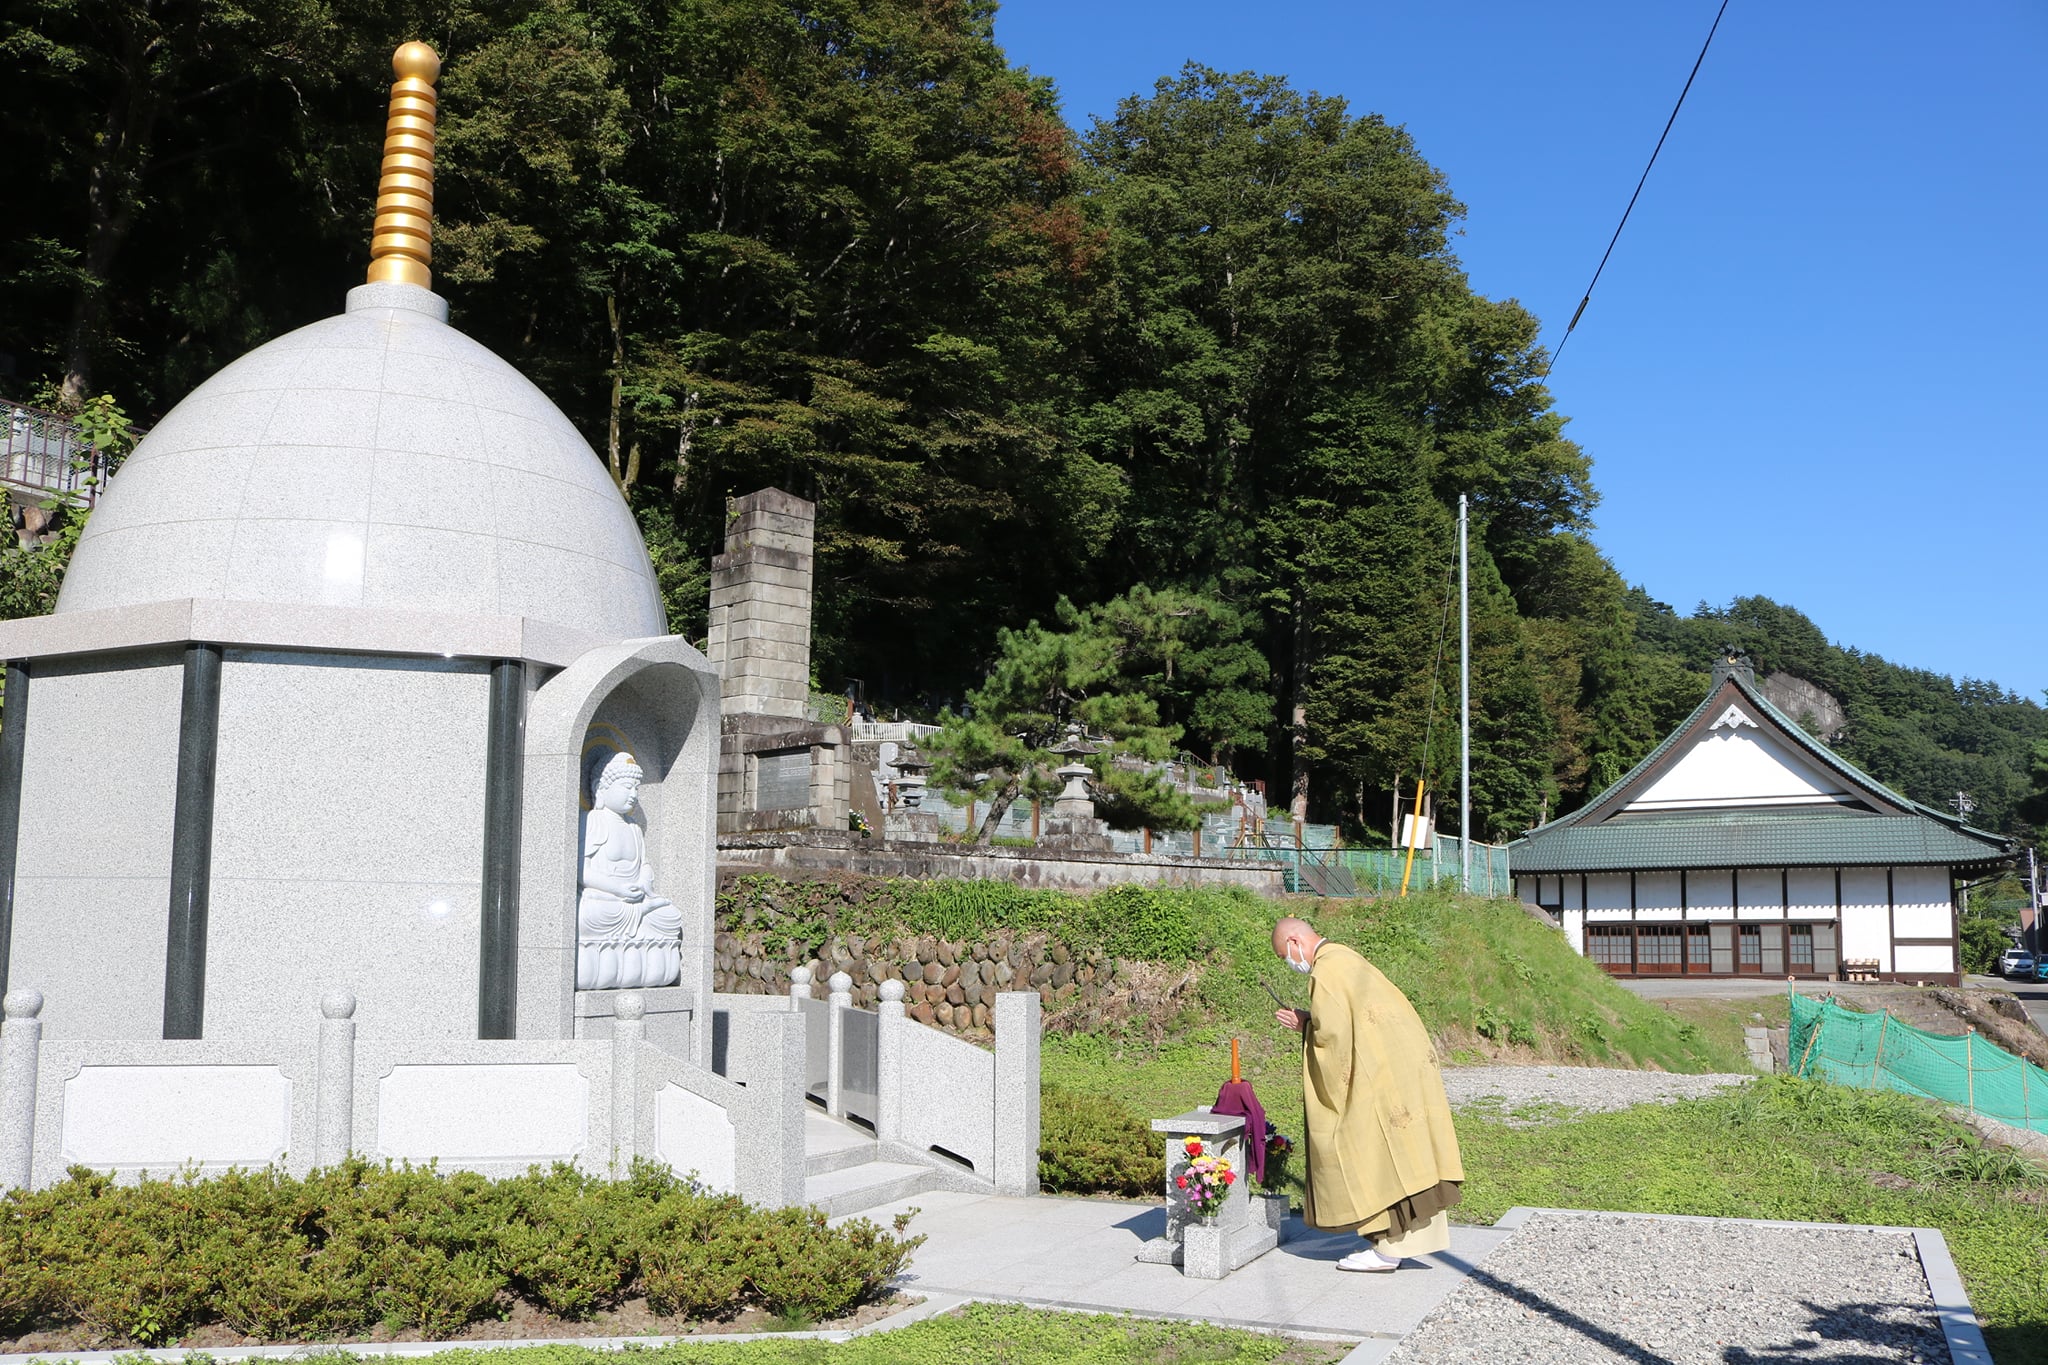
(1189, 394)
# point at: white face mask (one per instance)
(1300, 965)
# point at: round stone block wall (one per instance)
(947, 984)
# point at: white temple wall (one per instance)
(1866, 917)
(1934, 959)
(1657, 896)
(347, 842)
(1739, 766)
(1810, 893)
(1759, 893)
(1607, 896)
(1709, 894)
(1922, 907)
(1923, 921)
(92, 888)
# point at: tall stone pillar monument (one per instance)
(761, 605)
(778, 768)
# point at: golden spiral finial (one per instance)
(402, 242)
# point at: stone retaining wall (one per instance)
(949, 985)
(792, 853)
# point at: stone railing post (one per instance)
(21, 1046)
(799, 987)
(889, 1026)
(334, 1103)
(629, 1030)
(838, 1002)
(1017, 1034)
(771, 1134)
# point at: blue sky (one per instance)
(1817, 365)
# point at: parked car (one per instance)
(2041, 969)
(2016, 962)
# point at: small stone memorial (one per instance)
(1236, 1234)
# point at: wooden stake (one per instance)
(1818, 1024)
(1414, 833)
(1235, 1074)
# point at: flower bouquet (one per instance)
(1206, 1179)
(1279, 1148)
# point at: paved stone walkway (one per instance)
(1079, 1254)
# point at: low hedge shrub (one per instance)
(345, 1250)
(1092, 1144)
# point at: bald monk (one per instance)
(1382, 1155)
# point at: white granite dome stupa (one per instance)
(379, 459)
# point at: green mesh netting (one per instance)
(1877, 1052)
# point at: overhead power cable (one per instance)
(1587, 298)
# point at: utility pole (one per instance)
(1465, 703)
(2033, 920)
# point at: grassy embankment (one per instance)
(1490, 981)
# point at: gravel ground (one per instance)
(1582, 1088)
(1655, 1292)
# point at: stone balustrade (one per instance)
(496, 1106)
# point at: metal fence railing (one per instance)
(1316, 867)
(1376, 871)
(46, 451)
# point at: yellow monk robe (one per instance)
(1382, 1154)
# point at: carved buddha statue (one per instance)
(626, 935)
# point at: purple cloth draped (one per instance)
(1236, 1097)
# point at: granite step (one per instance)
(866, 1186)
(831, 1145)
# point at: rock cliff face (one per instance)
(1816, 711)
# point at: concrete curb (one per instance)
(933, 1304)
(1958, 1320)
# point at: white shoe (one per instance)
(1368, 1260)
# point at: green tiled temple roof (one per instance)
(1791, 837)
(1598, 839)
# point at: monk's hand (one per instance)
(1293, 1019)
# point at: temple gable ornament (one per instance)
(1733, 719)
(626, 935)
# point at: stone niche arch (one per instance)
(662, 697)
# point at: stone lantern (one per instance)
(905, 819)
(1073, 823)
(908, 787)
